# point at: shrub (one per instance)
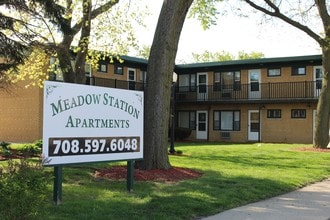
(4, 149)
(4, 145)
(23, 188)
(38, 143)
(182, 133)
(179, 152)
(31, 150)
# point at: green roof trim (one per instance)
(231, 64)
(261, 61)
(134, 59)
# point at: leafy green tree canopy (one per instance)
(208, 56)
(89, 26)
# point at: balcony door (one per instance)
(202, 86)
(131, 74)
(253, 125)
(317, 80)
(254, 84)
(201, 129)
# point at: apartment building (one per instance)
(261, 100)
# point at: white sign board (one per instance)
(89, 124)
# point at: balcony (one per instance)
(254, 92)
(114, 83)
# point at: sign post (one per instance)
(84, 124)
(130, 175)
(57, 191)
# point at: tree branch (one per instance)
(277, 13)
(321, 6)
(94, 13)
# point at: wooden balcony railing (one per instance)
(114, 83)
(254, 91)
(289, 91)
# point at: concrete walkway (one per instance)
(309, 203)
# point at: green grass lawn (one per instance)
(234, 174)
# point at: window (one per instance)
(119, 70)
(274, 72)
(131, 79)
(298, 113)
(56, 74)
(102, 68)
(187, 119)
(298, 70)
(187, 82)
(274, 113)
(226, 120)
(88, 70)
(227, 81)
(318, 77)
(143, 76)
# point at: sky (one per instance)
(233, 34)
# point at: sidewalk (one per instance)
(309, 203)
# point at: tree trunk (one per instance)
(321, 130)
(80, 76)
(159, 78)
(64, 57)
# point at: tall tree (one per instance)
(320, 8)
(60, 25)
(159, 79)
(13, 49)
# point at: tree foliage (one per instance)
(205, 11)
(84, 27)
(13, 44)
(208, 56)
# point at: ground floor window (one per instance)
(298, 113)
(226, 120)
(187, 119)
(274, 113)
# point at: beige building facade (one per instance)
(262, 100)
(21, 113)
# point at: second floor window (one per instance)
(119, 70)
(88, 70)
(143, 76)
(224, 81)
(102, 68)
(187, 82)
(298, 70)
(274, 72)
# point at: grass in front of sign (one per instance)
(234, 174)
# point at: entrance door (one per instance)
(131, 79)
(253, 125)
(317, 80)
(201, 86)
(201, 129)
(254, 84)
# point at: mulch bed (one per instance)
(173, 174)
(312, 149)
(14, 155)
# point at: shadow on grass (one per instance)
(210, 194)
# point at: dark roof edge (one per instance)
(134, 59)
(252, 61)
